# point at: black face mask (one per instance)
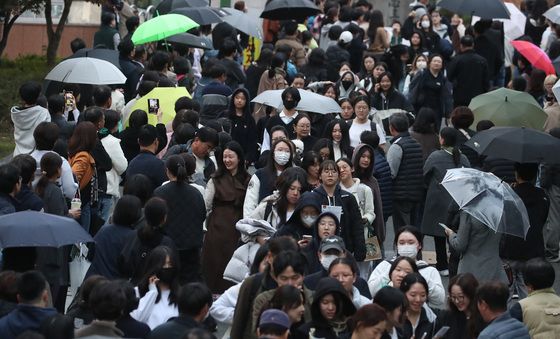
(346, 84)
(167, 275)
(290, 104)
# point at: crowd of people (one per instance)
(267, 221)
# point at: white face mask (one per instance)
(327, 259)
(281, 158)
(425, 24)
(308, 220)
(421, 64)
(407, 251)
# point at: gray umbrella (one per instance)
(33, 229)
(190, 40)
(243, 22)
(86, 71)
(201, 15)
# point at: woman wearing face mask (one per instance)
(430, 38)
(408, 243)
(345, 270)
(346, 85)
(431, 89)
(300, 223)
(392, 300)
(387, 97)
(419, 318)
(262, 182)
(158, 288)
(461, 314)
(419, 62)
(330, 311)
(437, 198)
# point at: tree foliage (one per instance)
(10, 10)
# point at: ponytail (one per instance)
(456, 156)
(50, 164)
(176, 166)
(449, 136)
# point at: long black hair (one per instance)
(176, 166)
(449, 136)
(246, 109)
(50, 164)
(283, 184)
(154, 262)
(344, 130)
(241, 174)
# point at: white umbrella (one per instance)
(553, 14)
(310, 102)
(514, 27)
(556, 90)
(243, 22)
(86, 71)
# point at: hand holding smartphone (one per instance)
(442, 331)
(153, 106)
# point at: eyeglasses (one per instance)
(457, 298)
(330, 172)
(327, 224)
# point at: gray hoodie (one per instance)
(25, 121)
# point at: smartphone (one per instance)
(307, 237)
(442, 331)
(69, 99)
(153, 106)
(444, 226)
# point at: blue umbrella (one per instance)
(34, 229)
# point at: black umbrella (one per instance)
(33, 229)
(109, 55)
(167, 6)
(190, 40)
(486, 9)
(518, 144)
(289, 9)
(202, 15)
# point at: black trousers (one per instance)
(190, 266)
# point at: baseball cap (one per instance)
(333, 242)
(346, 37)
(275, 317)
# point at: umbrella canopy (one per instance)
(517, 144)
(167, 6)
(506, 107)
(31, 228)
(86, 71)
(310, 102)
(556, 89)
(289, 9)
(514, 27)
(109, 55)
(486, 9)
(161, 27)
(190, 40)
(201, 15)
(553, 14)
(536, 56)
(167, 97)
(243, 22)
(488, 199)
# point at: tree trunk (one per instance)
(53, 35)
(7, 27)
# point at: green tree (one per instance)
(10, 10)
(54, 35)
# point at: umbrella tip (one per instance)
(506, 98)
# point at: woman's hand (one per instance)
(303, 243)
(449, 232)
(75, 213)
(159, 116)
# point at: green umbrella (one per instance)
(506, 107)
(161, 27)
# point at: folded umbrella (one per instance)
(310, 102)
(167, 97)
(243, 22)
(190, 40)
(506, 107)
(109, 55)
(201, 15)
(536, 56)
(486, 9)
(553, 14)
(289, 9)
(488, 199)
(161, 27)
(167, 6)
(517, 144)
(32, 229)
(86, 71)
